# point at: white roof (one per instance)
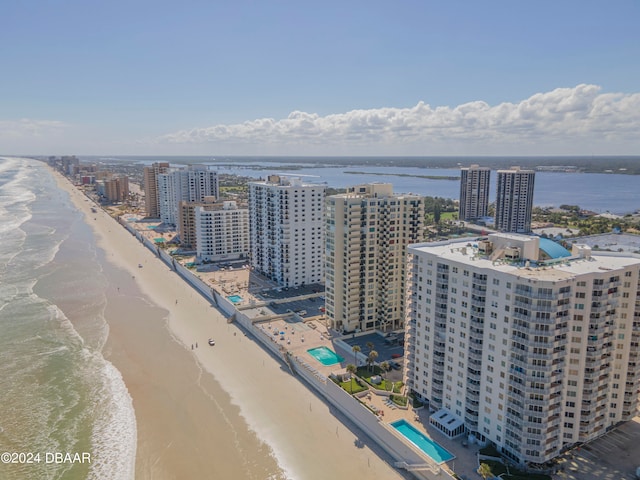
(446, 419)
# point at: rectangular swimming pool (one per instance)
(325, 355)
(235, 298)
(424, 443)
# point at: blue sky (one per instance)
(322, 78)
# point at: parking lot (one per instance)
(390, 349)
(310, 307)
(612, 457)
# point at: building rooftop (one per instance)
(553, 249)
(557, 268)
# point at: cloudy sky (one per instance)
(210, 77)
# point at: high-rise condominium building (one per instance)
(222, 231)
(150, 183)
(115, 188)
(522, 344)
(514, 200)
(187, 220)
(368, 229)
(287, 230)
(190, 184)
(474, 192)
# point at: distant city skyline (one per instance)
(290, 78)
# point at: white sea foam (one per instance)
(78, 397)
(114, 433)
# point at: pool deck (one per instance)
(316, 334)
(465, 461)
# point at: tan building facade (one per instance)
(187, 221)
(368, 229)
(150, 184)
(116, 188)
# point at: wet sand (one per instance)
(228, 411)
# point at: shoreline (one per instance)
(289, 422)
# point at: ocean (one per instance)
(58, 394)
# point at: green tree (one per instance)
(385, 367)
(371, 358)
(370, 346)
(355, 349)
(485, 471)
(436, 214)
(351, 369)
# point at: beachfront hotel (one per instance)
(190, 184)
(514, 200)
(474, 192)
(150, 184)
(222, 231)
(368, 229)
(524, 344)
(286, 225)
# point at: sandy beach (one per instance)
(228, 411)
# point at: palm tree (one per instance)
(485, 471)
(370, 346)
(371, 359)
(385, 367)
(356, 349)
(351, 369)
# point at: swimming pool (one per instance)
(424, 443)
(235, 298)
(325, 355)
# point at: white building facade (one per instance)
(533, 356)
(222, 231)
(368, 229)
(191, 184)
(287, 230)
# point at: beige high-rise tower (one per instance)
(150, 183)
(368, 229)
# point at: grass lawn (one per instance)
(366, 373)
(498, 469)
(352, 386)
(415, 403)
(399, 400)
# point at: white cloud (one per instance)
(565, 120)
(29, 128)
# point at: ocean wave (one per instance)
(114, 435)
